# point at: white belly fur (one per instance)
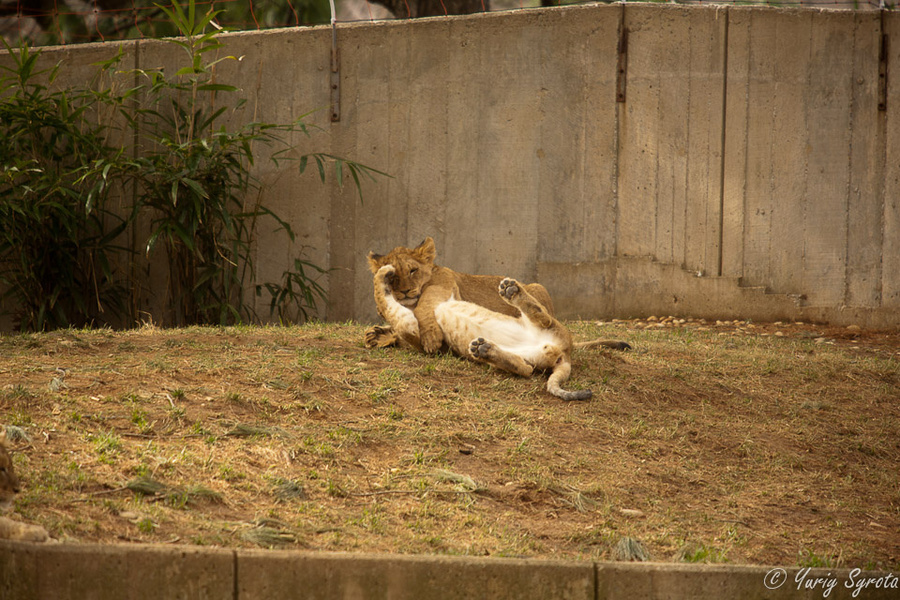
(463, 322)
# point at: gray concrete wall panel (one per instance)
(753, 145)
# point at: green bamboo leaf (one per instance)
(217, 87)
(321, 164)
(192, 70)
(196, 187)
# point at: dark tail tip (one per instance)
(577, 395)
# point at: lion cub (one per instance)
(533, 341)
(9, 483)
(420, 285)
(9, 487)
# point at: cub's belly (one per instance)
(463, 322)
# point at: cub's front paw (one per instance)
(385, 273)
(380, 337)
(509, 288)
(385, 277)
(431, 341)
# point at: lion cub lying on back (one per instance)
(533, 341)
(420, 285)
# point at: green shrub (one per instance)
(59, 241)
(191, 177)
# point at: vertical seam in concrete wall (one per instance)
(235, 594)
(851, 123)
(883, 52)
(686, 183)
(741, 267)
(720, 258)
(136, 293)
(804, 208)
(653, 248)
(618, 147)
(407, 84)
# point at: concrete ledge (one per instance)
(629, 287)
(266, 575)
(130, 572)
(105, 572)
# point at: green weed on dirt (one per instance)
(730, 442)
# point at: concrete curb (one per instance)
(131, 572)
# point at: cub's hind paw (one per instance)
(509, 288)
(480, 348)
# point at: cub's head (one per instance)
(412, 270)
(9, 483)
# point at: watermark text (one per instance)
(855, 580)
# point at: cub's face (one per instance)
(412, 270)
(9, 483)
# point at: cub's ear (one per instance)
(425, 251)
(375, 261)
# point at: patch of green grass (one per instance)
(107, 444)
(19, 418)
(18, 392)
(141, 420)
(809, 558)
(146, 525)
(230, 474)
(310, 445)
(701, 554)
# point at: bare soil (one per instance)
(708, 442)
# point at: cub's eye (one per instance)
(413, 270)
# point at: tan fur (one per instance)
(419, 284)
(9, 487)
(532, 341)
(9, 483)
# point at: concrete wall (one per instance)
(134, 572)
(752, 169)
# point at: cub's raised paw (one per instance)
(509, 288)
(386, 271)
(385, 275)
(480, 348)
(384, 278)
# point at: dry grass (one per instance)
(706, 443)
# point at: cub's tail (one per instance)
(560, 374)
(614, 345)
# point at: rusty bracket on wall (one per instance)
(622, 62)
(882, 71)
(335, 69)
(335, 85)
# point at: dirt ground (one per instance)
(707, 442)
